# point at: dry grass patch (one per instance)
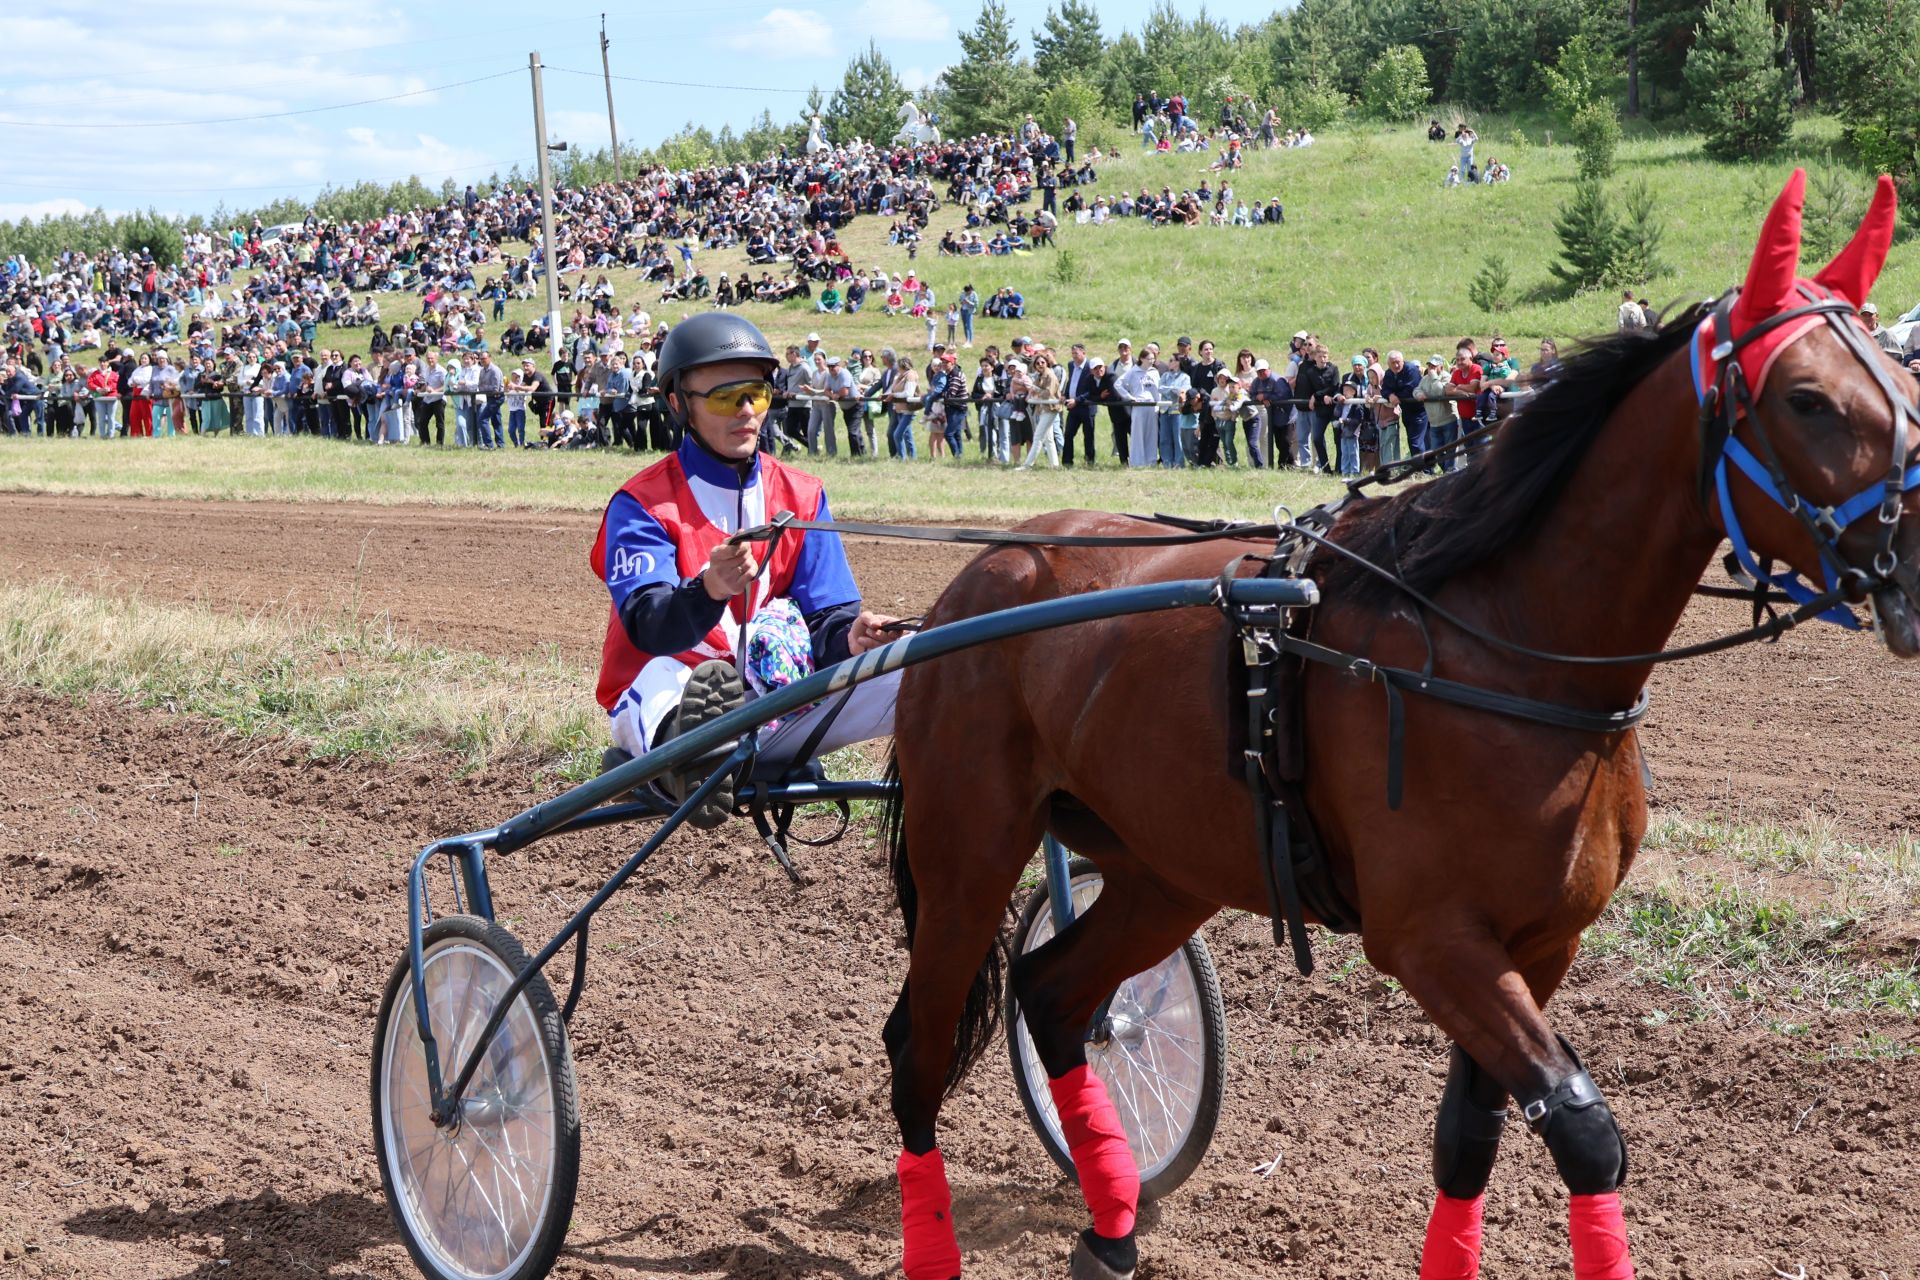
(340, 685)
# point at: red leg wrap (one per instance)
(1452, 1251)
(926, 1218)
(1109, 1179)
(1599, 1238)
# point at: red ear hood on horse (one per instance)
(1774, 284)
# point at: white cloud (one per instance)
(903, 21)
(577, 129)
(423, 153)
(14, 211)
(914, 79)
(785, 34)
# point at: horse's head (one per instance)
(1812, 434)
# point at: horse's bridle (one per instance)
(1725, 399)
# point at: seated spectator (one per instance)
(829, 301)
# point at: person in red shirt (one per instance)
(1464, 383)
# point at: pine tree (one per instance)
(867, 103)
(1490, 289)
(1069, 44)
(992, 87)
(1636, 258)
(1740, 80)
(1589, 234)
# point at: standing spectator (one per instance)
(1139, 387)
(868, 382)
(1400, 384)
(1202, 374)
(1316, 385)
(1078, 390)
(969, 303)
(492, 388)
(790, 425)
(1069, 131)
(993, 420)
(821, 412)
(1044, 400)
(212, 387)
(837, 386)
(466, 414)
(140, 419)
(430, 401)
(1268, 394)
(1547, 367)
(618, 387)
(517, 413)
(905, 391)
(1632, 318)
(955, 393)
(103, 388)
(1175, 394)
(1443, 425)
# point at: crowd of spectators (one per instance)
(121, 344)
(1182, 406)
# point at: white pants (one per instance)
(655, 692)
(1046, 437)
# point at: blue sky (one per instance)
(103, 108)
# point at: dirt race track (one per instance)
(198, 932)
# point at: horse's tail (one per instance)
(980, 1016)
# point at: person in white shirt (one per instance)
(1139, 386)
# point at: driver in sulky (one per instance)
(696, 624)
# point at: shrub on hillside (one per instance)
(1636, 257)
(1740, 79)
(1596, 137)
(1589, 232)
(1492, 288)
(1396, 86)
(1310, 105)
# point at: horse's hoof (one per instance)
(1087, 1265)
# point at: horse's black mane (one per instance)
(1446, 527)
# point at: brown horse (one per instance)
(1583, 530)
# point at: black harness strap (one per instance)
(1394, 680)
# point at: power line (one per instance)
(677, 84)
(271, 115)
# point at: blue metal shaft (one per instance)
(1059, 884)
(524, 828)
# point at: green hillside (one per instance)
(1374, 251)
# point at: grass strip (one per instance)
(341, 686)
(305, 469)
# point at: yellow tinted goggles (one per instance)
(728, 397)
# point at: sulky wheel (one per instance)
(488, 1197)
(1161, 1051)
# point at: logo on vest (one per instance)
(631, 564)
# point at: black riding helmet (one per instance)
(711, 337)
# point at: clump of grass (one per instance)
(1875, 875)
(1728, 943)
(344, 687)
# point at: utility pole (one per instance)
(606, 72)
(549, 254)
